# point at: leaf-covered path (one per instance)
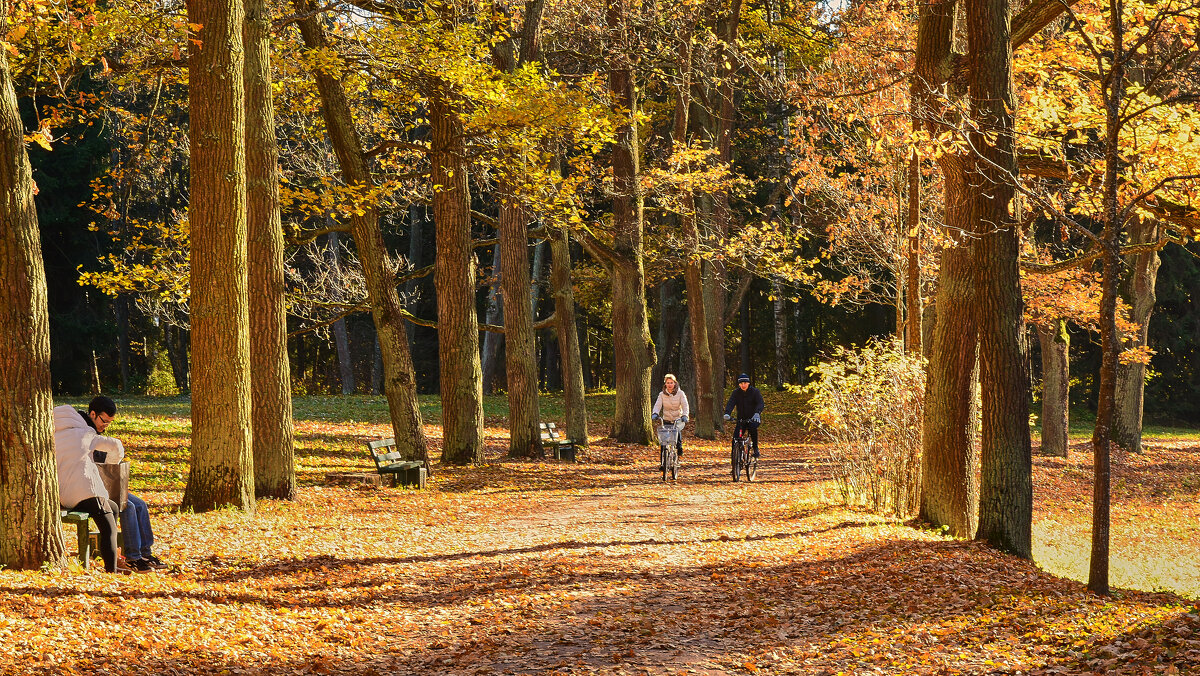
(539, 568)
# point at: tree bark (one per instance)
(912, 276)
(461, 375)
(30, 535)
(270, 378)
(222, 461)
(1114, 94)
(1006, 482)
(519, 341)
(495, 317)
(1131, 378)
(568, 337)
(400, 385)
(1056, 393)
(341, 339)
(949, 490)
(633, 349)
(781, 360)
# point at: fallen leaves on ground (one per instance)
(598, 567)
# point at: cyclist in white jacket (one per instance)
(78, 446)
(671, 405)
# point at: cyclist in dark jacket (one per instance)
(750, 405)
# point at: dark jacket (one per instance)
(748, 402)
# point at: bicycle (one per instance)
(668, 439)
(742, 455)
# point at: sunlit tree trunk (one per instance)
(341, 337)
(519, 344)
(1131, 378)
(399, 383)
(1006, 482)
(912, 258)
(633, 348)
(1056, 344)
(454, 277)
(270, 378)
(568, 337)
(30, 535)
(949, 490)
(1110, 239)
(222, 461)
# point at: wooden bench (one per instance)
(389, 464)
(83, 533)
(564, 449)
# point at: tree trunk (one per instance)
(461, 375)
(222, 460)
(270, 378)
(1131, 378)
(494, 316)
(122, 309)
(1006, 485)
(416, 255)
(633, 350)
(400, 384)
(519, 340)
(1056, 399)
(781, 360)
(1110, 239)
(30, 534)
(177, 353)
(341, 339)
(745, 361)
(949, 491)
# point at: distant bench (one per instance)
(564, 449)
(389, 463)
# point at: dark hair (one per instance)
(103, 404)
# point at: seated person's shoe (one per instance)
(155, 562)
(140, 566)
(755, 454)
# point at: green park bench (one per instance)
(84, 535)
(564, 449)
(389, 464)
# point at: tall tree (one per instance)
(520, 344)
(568, 337)
(454, 279)
(632, 346)
(30, 535)
(399, 383)
(1056, 394)
(1006, 485)
(222, 462)
(270, 376)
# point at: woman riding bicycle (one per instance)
(671, 406)
(750, 405)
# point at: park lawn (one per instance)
(597, 567)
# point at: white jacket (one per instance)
(74, 441)
(671, 407)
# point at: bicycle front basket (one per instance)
(668, 436)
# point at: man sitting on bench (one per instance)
(78, 445)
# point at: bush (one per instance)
(868, 404)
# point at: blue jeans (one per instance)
(135, 524)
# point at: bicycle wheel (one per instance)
(736, 461)
(666, 461)
(674, 466)
(751, 468)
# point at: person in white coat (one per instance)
(671, 405)
(78, 446)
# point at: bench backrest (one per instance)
(548, 433)
(383, 452)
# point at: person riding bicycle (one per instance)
(750, 405)
(671, 406)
